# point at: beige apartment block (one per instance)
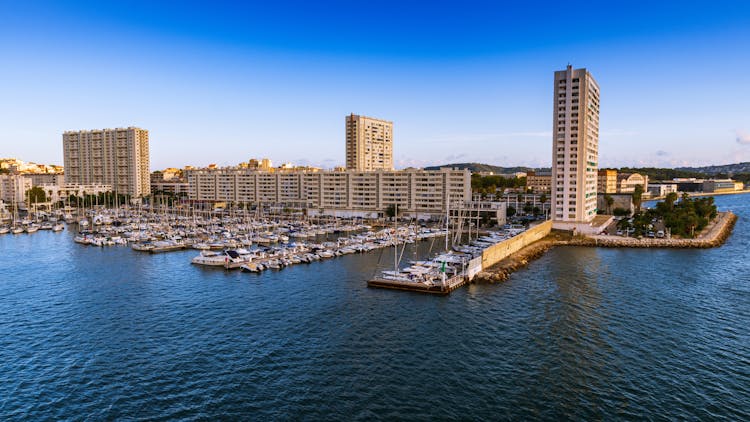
(369, 143)
(539, 182)
(117, 157)
(348, 193)
(575, 147)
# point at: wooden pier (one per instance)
(451, 284)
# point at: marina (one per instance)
(174, 338)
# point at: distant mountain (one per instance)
(724, 169)
(477, 167)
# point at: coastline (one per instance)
(700, 195)
(714, 235)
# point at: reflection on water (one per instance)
(581, 333)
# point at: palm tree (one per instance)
(543, 199)
(637, 197)
(609, 201)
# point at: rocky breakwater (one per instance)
(503, 269)
(715, 234)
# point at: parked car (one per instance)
(660, 233)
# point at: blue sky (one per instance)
(221, 82)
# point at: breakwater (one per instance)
(712, 236)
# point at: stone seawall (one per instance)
(506, 248)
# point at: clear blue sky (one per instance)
(219, 82)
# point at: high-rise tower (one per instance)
(575, 146)
(369, 143)
(117, 157)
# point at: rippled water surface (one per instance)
(89, 333)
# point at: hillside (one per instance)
(722, 169)
(477, 167)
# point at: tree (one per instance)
(36, 195)
(527, 208)
(510, 211)
(637, 197)
(609, 200)
(670, 199)
(543, 199)
(621, 212)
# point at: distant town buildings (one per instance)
(14, 165)
(661, 189)
(419, 193)
(575, 147)
(117, 157)
(369, 143)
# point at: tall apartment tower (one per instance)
(117, 157)
(369, 143)
(575, 146)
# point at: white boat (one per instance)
(4, 230)
(58, 227)
(17, 230)
(228, 258)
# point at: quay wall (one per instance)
(502, 250)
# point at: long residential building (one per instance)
(369, 143)
(419, 193)
(575, 147)
(117, 157)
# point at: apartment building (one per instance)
(117, 157)
(606, 181)
(575, 147)
(41, 179)
(539, 182)
(13, 188)
(369, 143)
(418, 193)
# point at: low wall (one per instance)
(496, 253)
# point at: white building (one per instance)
(575, 148)
(418, 193)
(13, 188)
(62, 192)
